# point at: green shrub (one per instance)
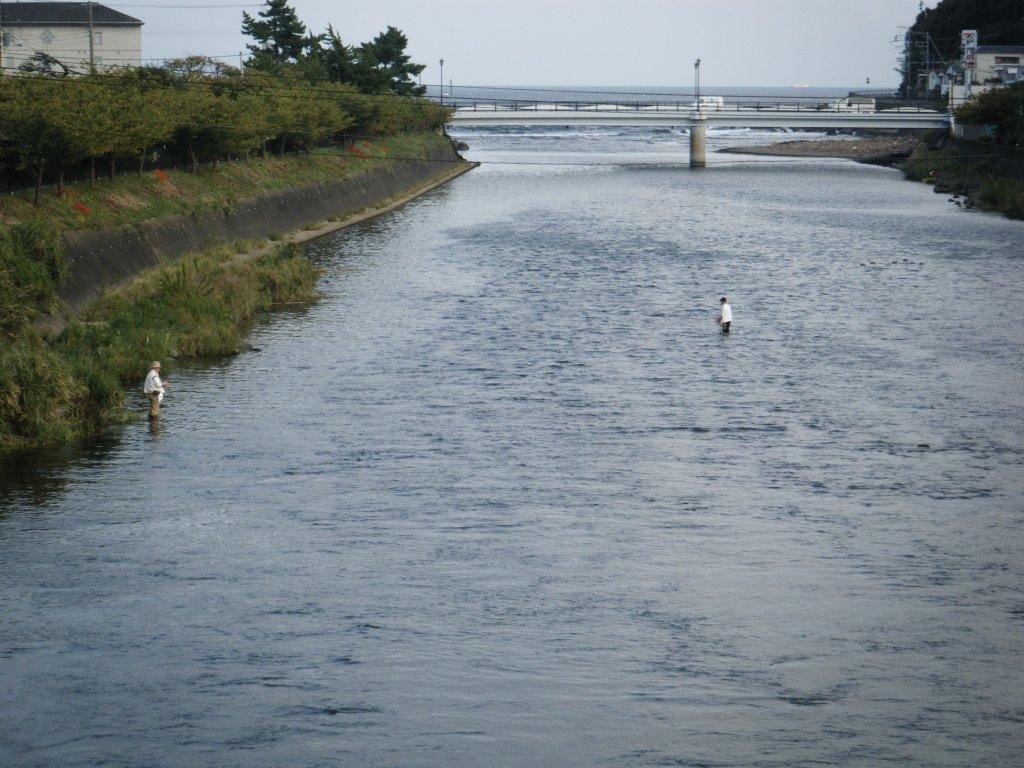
(52, 392)
(41, 399)
(1004, 195)
(985, 183)
(32, 267)
(1002, 108)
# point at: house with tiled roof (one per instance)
(63, 31)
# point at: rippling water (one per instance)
(505, 497)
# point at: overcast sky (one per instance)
(586, 42)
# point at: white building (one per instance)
(995, 66)
(1003, 64)
(61, 30)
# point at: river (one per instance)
(506, 496)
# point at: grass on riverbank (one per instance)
(32, 267)
(54, 391)
(131, 199)
(976, 174)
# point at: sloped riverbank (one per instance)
(973, 174)
(85, 309)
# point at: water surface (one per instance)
(505, 497)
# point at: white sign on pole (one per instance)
(969, 41)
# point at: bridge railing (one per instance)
(728, 104)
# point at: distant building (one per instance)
(1000, 64)
(995, 66)
(61, 30)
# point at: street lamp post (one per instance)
(698, 125)
(696, 82)
(440, 92)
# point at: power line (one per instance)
(171, 7)
(681, 91)
(636, 93)
(275, 84)
(231, 81)
(596, 92)
(766, 160)
(224, 80)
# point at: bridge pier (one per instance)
(698, 142)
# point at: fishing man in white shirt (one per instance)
(725, 319)
(154, 389)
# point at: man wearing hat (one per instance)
(154, 389)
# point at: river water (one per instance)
(506, 497)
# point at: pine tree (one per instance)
(353, 65)
(44, 63)
(388, 50)
(279, 34)
(339, 59)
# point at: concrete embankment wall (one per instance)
(98, 259)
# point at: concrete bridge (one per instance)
(838, 115)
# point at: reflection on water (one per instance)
(31, 479)
(505, 496)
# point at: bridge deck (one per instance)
(725, 118)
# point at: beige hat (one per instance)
(155, 364)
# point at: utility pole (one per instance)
(927, 63)
(918, 48)
(1, 39)
(92, 52)
(440, 93)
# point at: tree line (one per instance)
(296, 91)
(282, 42)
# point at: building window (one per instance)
(97, 37)
(5, 38)
(1007, 59)
(47, 36)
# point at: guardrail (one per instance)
(733, 105)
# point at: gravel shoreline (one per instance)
(888, 149)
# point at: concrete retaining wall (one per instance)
(98, 259)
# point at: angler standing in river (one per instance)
(725, 319)
(154, 389)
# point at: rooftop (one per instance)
(62, 15)
(1001, 49)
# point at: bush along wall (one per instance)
(58, 390)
